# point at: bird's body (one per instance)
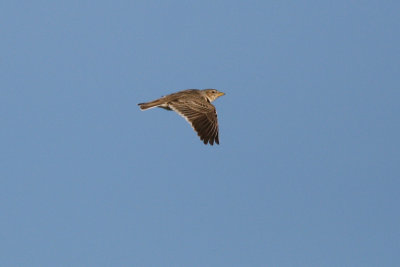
(195, 106)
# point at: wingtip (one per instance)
(141, 106)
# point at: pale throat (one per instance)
(209, 98)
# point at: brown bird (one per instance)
(195, 106)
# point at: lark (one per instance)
(195, 106)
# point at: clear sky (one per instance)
(307, 170)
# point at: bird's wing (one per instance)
(201, 115)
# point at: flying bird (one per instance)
(195, 106)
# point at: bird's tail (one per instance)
(152, 104)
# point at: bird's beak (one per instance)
(220, 94)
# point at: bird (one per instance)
(195, 106)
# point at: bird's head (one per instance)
(212, 94)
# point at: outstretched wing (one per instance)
(201, 115)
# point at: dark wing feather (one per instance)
(201, 115)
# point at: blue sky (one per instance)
(308, 166)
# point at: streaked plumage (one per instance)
(195, 106)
